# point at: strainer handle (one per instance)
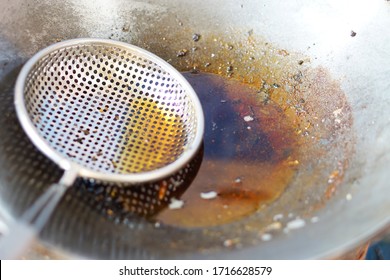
(23, 232)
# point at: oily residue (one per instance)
(250, 154)
(152, 140)
(277, 129)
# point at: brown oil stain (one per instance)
(286, 154)
(249, 159)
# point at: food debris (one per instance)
(86, 131)
(176, 204)
(231, 242)
(353, 33)
(265, 96)
(162, 190)
(293, 162)
(196, 37)
(194, 70)
(274, 226)
(283, 53)
(238, 180)
(94, 158)
(248, 118)
(278, 217)
(182, 52)
(214, 126)
(266, 237)
(207, 64)
(229, 47)
(103, 110)
(314, 220)
(208, 195)
(337, 112)
(80, 140)
(295, 224)
(176, 183)
(348, 197)
(333, 176)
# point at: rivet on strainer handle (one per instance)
(103, 110)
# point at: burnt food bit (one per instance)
(80, 140)
(182, 52)
(86, 131)
(196, 37)
(353, 33)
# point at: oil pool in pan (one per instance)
(268, 115)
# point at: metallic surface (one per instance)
(109, 110)
(318, 33)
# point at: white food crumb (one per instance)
(176, 204)
(266, 237)
(296, 224)
(278, 217)
(348, 196)
(314, 219)
(238, 180)
(337, 112)
(248, 127)
(214, 126)
(208, 195)
(248, 118)
(231, 242)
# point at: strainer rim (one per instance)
(82, 171)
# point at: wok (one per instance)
(308, 79)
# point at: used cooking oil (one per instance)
(151, 138)
(250, 154)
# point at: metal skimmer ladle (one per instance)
(102, 110)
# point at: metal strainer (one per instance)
(106, 111)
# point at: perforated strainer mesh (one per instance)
(109, 108)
